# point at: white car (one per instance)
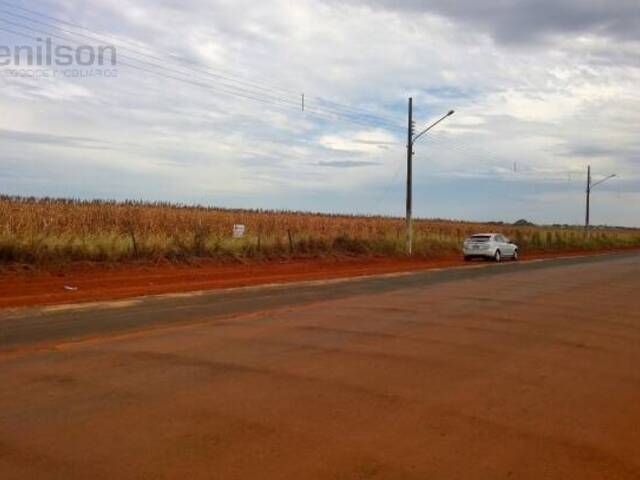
(489, 246)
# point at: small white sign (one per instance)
(238, 231)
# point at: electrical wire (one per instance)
(337, 108)
(228, 91)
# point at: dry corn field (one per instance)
(44, 231)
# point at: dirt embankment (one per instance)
(86, 283)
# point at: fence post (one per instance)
(290, 241)
(133, 240)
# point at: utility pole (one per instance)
(409, 229)
(411, 140)
(586, 218)
(590, 186)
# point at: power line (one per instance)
(230, 92)
(109, 39)
(132, 66)
(357, 111)
(333, 108)
(161, 67)
(137, 52)
(234, 91)
(478, 152)
(388, 187)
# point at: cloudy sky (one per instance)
(204, 105)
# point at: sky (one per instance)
(204, 105)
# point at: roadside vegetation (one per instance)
(56, 231)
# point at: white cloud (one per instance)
(552, 106)
(363, 142)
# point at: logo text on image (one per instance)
(56, 59)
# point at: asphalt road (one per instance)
(524, 371)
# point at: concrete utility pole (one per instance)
(586, 217)
(411, 140)
(590, 186)
(409, 229)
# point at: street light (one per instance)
(411, 140)
(415, 138)
(590, 187)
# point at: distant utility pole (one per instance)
(590, 186)
(588, 212)
(411, 140)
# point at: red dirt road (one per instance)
(96, 283)
(522, 374)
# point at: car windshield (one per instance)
(479, 238)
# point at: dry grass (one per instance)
(43, 231)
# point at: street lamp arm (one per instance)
(416, 137)
(603, 180)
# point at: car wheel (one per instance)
(497, 256)
(515, 256)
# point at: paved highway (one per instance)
(523, 371)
